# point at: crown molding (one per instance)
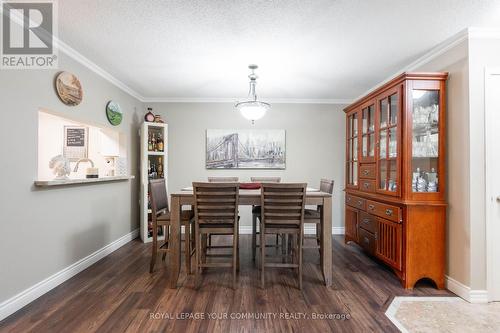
(77, 56)
(427, 57)
(234, 100)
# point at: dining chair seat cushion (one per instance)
(186, 215)
(311, 214)
(250, 186)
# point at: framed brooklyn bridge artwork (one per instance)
(245, 149)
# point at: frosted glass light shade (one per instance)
(253, 110)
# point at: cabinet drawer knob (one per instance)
(366, 221)
(360, 203)
(366, 172)
(348, 199)
(366, 185)
(371, 207)
(366, 240)
(388, 212)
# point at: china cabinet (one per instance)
(395, 176)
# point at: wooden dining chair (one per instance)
(256, 214)
(282, 213)
(216, 212)
(209, 236)
(160, 215)
(315, 215)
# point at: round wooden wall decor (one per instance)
(114, 113)
(69, 89)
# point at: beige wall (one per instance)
(466, 236)
(314, 142)
(45, 230)
(455, 61)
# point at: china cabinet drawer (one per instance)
(367, 185)
(389, 212)
(355, 202)
(367, 171)
(367, 222)
(367, 241)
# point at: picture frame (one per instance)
(75, 143)
(245, 149)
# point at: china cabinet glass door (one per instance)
(368, 133)
(425, 140)
(352, 150)
(387, 133)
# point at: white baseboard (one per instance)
(308, 230)
(465, 292)
(27, 296)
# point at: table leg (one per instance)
(326, 240)
(175, 245)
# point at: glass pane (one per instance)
(365, 120)
(349, 172)
(383, 144)
(425, 140)
(355, 173)
(382, 175)
(364, 147)
(392, 182)
(371, 151)
(355, 124)
(383, 113)
(393, 142)
(393, 99)
(355, 150)
(371, 118)
(349, 150)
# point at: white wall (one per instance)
(315, 138)
(46, 230)
(483, 53)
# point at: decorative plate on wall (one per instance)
(114, 113)
(69, 88)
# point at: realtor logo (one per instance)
(28, 30)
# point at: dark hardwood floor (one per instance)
(118, 294)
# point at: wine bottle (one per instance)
(150, 143)
(160, 167)
(160, 142)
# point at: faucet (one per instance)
(83, 160)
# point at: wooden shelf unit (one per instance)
(155, 157)
(395, 175)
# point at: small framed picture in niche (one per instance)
(76, 140)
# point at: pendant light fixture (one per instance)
(252, 109)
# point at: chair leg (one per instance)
(254, 236)
(198, 255)
(154, 247)
(300, 239)
(235, 255)
(262, 255)
(167, 239)
(187, 248)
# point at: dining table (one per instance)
(249, 197)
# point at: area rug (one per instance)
(443, 314)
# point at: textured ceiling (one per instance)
(320, 49)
